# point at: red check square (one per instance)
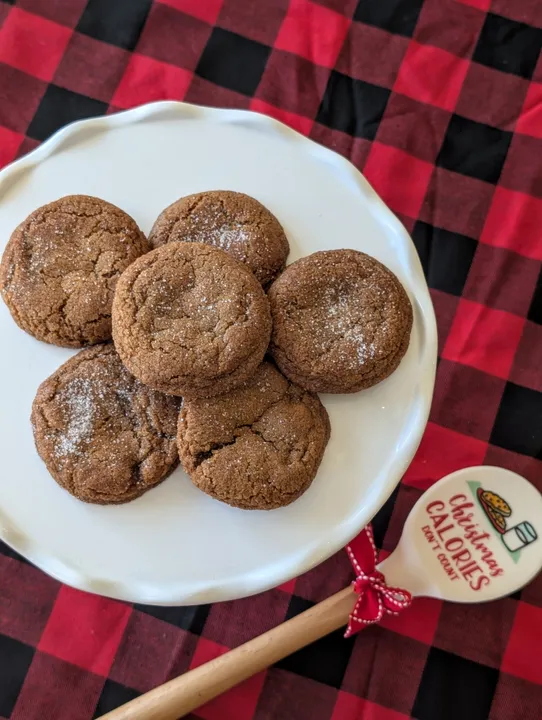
(65, 12)
(56, 689)
(293, 120)
(484, 338)
(466, 399)
(445, 306)
(9, 144)
(32, 44)
(259, 21)
(21, 95)
(502, 279)
(146, 80)
(531, 469)
(26, 600)
(522, 655)
(375, 652)
(287, 587)
(528, 358)
(27, 145)
(442, 451)
(519, 172)
(150, 651)
(313, 32)
(293, 83)
(456, 202)
(530, 119)
(240, 702)
(173, 37)
(91, 67)
(400, 179)
(288, 695)
(515, 698)
(236, 622)
(350, 707)
(85, 630)
(207, 10)
(414, 127)
(203, 92)
(406, 498)
(469, 630)
(491, 97)
(372, 54)
(458, 35)
(480, 4)
(431, 75)
(527, 12)
(355, 149)
(514, 221)
(325, 579)
(419, 621)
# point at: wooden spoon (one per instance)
(450, 549)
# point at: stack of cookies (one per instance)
(217, 354)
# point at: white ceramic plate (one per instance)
(175, 545)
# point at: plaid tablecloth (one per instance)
(439, 102)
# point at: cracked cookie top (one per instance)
(230, 221)
(341, 321)
(188, 319)
(61, 265)
(257, 447)
(104, 436)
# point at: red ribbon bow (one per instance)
(375, 597)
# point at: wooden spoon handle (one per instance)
(196, 687)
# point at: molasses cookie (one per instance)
(61, 265)
(257, 447)
(104, 436)
(341, 321)
(231, 221)
(188, 319)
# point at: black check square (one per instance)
(8, 552)
(446, 257)
(233, 62)
(396, 16)
(474, 149)
(191, 617)
(59, 107)
(509, 46)
(115, 21)
(16, 658)
(352, 106)
(325, 660)
(452, 687)
(535, 309)
(382, 519)
(518, 426)
(113, 696)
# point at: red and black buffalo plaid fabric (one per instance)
(439, 103)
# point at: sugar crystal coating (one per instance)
(104, 436)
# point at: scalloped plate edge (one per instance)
(302, 562)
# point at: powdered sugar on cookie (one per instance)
(341, 321)
(103, 436)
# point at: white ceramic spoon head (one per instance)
(474, 536)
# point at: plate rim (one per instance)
(240, 586)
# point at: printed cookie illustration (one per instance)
(497, 511)
(496, 502)
(496, 518)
